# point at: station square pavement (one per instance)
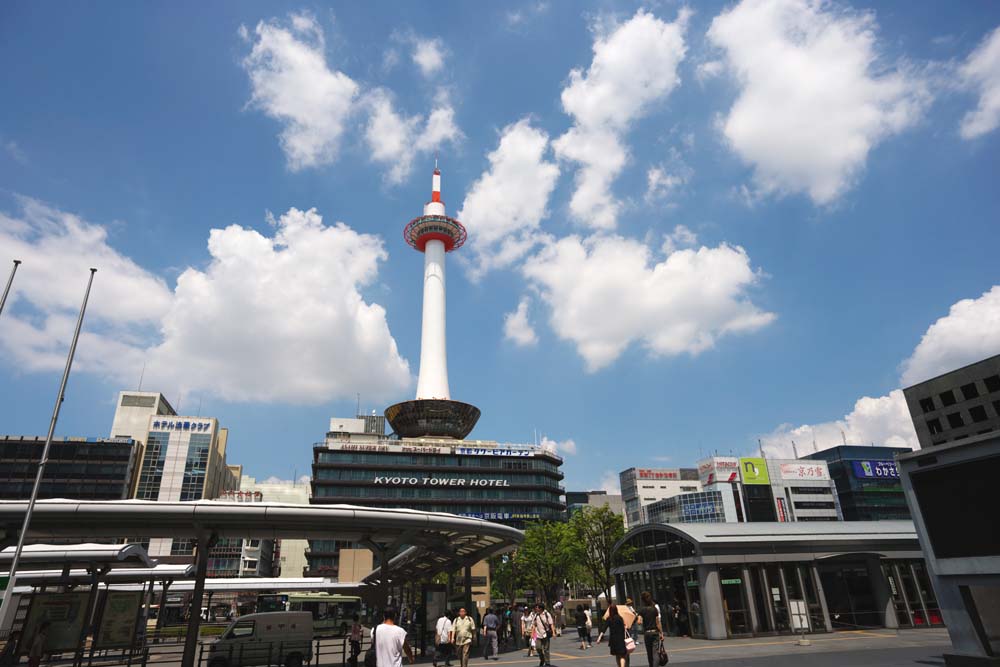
(861, 648)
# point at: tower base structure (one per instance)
(432, 418)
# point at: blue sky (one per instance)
(689, 227)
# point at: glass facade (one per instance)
(867, 482)
(78, 469)
(195, 467)
(152, 466)
(698, 507)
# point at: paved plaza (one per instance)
(863, 648)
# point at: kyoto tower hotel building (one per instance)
(426, 462)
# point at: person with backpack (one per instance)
(542, 626)
(463, 629)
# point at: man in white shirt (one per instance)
(390, 641)
(442, 640)
(541, 625)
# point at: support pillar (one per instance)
(205, 543)
(163, 603)
(882, 594)
(88, 614)
(748, 591)
(713, 614)
(821, 594)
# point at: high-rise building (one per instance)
(577, 500)
(950, 488)
(290, 560)
(183, 458)
(867, 481)
(643, 486)
(802, 490)
(77, 468)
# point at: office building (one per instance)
(950, 486)
(233, 557)
(290, 556)
(183, 458)
(577, 500)
(511, 484)
(867, 481)
(642, 486)
(78, 468)
(709, 506)
(802, 490)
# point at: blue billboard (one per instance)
(875, 469)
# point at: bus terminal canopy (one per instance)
(445, 540)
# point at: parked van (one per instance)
(272, 638)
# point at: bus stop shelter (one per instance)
(447, 541)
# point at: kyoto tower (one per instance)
(433, 413)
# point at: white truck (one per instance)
(271, 638)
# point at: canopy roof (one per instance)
(68, 555)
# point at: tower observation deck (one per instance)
(433, 413)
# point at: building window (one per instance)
(955, 420)
(152, 467)
(947, 398)
(978, 413)
(970, 391)
(996, 407)
(182, 548)
(934, 426)
(927, 404)
(814, 505)
(992, 383)
(195, 467)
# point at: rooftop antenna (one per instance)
(199, 407)
(435, 159)
(760, 448)
(843, 438)
(795, 449)
(142, 374)
(815, 449)
(357, 411)
(10, 281)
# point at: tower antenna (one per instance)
(142, 374)
(795, 449)
(357, 410)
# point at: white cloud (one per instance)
(428, 55)
(634, 66)
(608, 292)
(506, 204)
(661, 185)
(394, 140)
(981, 71)
(681, 237)
(814, 96)
(611, 483)
(969, 332)
(517, 18)
(271, 318)
(516, 326)
(15, 152)
(303, 479)
(562, 447)
(884, 420)
(292, 83)
(709, 70)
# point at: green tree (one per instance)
(547, 558)
(505, 582)
(596, 531)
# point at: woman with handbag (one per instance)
(619, 640)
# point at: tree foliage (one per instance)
(548, 557)
(596, 530)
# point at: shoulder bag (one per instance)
(629, 642)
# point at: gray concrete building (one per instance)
(803, 490)
(950, 487)
(577, 500)
(643, 486)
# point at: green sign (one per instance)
(731, 581)
(754, 471)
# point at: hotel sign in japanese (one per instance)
(181, 425)
(875, 469)
(805, 471)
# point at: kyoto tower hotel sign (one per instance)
(433, 413)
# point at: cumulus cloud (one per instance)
(608, 292)
(815, 97)
(884, 420)
(271, 318)
(561, 447)
(394, 140)
(506, 204)
(680, 237)
(516, 326)
(969, 332)
(428, 55)
(634, 66)
(611, 483)
(292, 83)
(981, 72)
(661, 185)
(303, 479)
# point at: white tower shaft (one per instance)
(433, 379)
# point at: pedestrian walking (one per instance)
(529, 637)
(355, 638)
(442, 640)
(590, 627)
(516, 626)
(580, 619)
(542, 627)
(491, 628)
(617, 634)
(390, 641)
(463, 629)
(652, 628)
(37, 647)
(557, 616)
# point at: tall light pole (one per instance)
(5, 609)
(10, 280)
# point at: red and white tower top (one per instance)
(434, 224)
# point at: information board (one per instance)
(121, 608)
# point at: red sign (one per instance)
(646, 473)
